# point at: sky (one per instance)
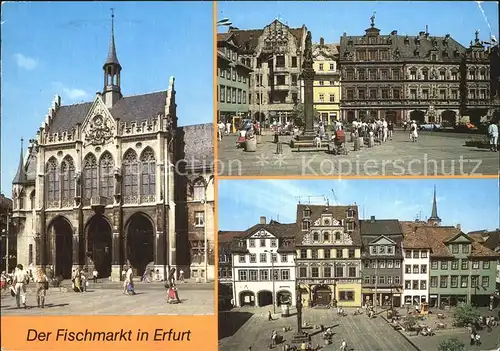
(330, 19)
(472, 203)
(59, 48)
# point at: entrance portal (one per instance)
(140, 242)
(265, 298)
(99, 243)
(247, 298)
(283, 297)
(323, 295)
(62, 231)
(417, 116)
(449, 118)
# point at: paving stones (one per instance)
(113, 302)
(435, 153)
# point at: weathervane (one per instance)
(372, 19)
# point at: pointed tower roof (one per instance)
(112, 58)
(20, 177)
(434, 214)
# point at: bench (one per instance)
(308, 146)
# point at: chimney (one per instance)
(426, 30)
(459, 227)
(372, 219)
(322, 41)
(394, 32)
(262, 220)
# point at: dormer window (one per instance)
(241, 244)
(306, 213)
(381, 250)
(390, 250)
(350, 213)
(465, 248)
(373, 250)
(305, 225)
(350, 226)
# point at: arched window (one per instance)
(148, 173)
(32, 200)
(106, 166)
(22, 196)
(130, 170)
(89, 178)
(52, 183)
(68, 181)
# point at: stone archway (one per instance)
(99, 244)
(449, 118)
(264, 298)
(247, 298)
(417, 116)
(140, 242)
(283, 297)
(61, 232)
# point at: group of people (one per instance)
(19, 282)
(79, 281)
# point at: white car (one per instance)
(430, 126)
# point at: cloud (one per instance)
(71, 94)
(25, 62)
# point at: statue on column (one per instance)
(78, 187)
(118, 183)
(308, 48)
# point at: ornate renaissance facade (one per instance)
(114, 182)
(328, 255)
(424, 78)
(275, 55)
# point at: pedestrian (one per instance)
(493, 135)
(472, 338)
(181, 275)
(478, 339)
(83, 281)
(21, 280)
(171, 276)
(273, 338)
(343, 346)
(385, 130)
(269, 316)
(390, 128)
(129, 282)
(228, 127)
(42, 284)
(413, 131)
(94, 276)
(220, 130)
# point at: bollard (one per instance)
(372, 141)
(361, 142)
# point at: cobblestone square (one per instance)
(113, 302)
(435, 154)
(242, 328)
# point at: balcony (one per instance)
(282, 87)
(282, 69)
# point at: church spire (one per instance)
(434, 218)
(20, 177)
(112, 69)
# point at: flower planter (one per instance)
(251, 145)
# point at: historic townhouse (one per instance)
(275, 56)
(264, 265)
(328, 255)
(226, 242)
(327, 82)
(462, 270)
(424, 78)
(8, 243)
(382, 261)
(490, 239)
(98, 188)
(233, 79)
(416, 268)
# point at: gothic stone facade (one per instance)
(114, 182)
(275, 55)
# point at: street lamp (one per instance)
(205, 204)
(272, 272)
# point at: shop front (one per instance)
(384, 297)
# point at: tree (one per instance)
(410, 322)
(451, 345)
(465, 314)
(298, 113)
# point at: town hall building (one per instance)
(115, 182)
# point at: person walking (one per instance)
(390, 129)
(493, 135)
(127, 279)
(21, 280)
(181, 275)
(42, 284)
(413, 131)
(478, 339)
(472, 339)
(385, 130)
(343, 346)
(94, 276)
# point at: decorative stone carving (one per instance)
(261, 234)
(98, 131)
(306, 239)
(317, 222)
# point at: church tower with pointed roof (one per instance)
(112, 68)
(434, 218)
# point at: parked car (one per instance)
(431, 126)
(465, 127)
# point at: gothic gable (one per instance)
(262, 233)
(99, 126)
